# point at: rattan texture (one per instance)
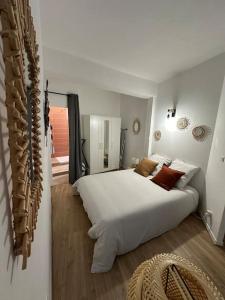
(167, 276)
(19, 40)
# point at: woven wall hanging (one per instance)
(182, 123)
(136, 126)
(157, 135)
(20, 53)
(200, 133)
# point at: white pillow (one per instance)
(189, 170)
(161, 160)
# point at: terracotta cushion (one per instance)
(167, 177)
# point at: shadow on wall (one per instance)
(6, 232)
(199, 183)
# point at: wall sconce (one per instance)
(171, 113)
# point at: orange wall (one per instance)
(59, 121)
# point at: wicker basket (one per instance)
(167, 276)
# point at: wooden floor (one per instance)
(60, 179)
(60, 169)
(72, 253)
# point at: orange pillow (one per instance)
(145, 167)
(167, 177)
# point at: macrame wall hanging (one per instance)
(20, 53)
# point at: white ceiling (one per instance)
(151, 39)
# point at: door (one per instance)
(115, 142)
(96, 144)
(111, 143)
(60, 131)
(105, 144)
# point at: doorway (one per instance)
(59, 144)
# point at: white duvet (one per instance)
(127, 209)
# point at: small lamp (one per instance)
(171, 113)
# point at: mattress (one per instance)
(127, 209)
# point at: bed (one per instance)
(127, 209)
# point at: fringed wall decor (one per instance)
(157, 135)
(136, 126)
(183, 123)
(20, 52)
(201, 133)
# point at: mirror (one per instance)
(136, 126)
(106, 143)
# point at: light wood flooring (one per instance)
(60, 171)
(60, 179)
(72, 253)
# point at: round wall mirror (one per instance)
(136, 126)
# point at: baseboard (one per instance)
(215, 241)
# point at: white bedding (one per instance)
(127, 209)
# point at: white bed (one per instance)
(127, 209)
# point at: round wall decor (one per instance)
(136, 126)
(157, 135)
(200, 133)
(182, 123)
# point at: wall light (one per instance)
(171, 121)
(171, 113)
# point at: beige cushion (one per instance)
(161, 160)
(146, 167)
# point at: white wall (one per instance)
(130, 109)
(196, 94)
(34, 282)
(92, 100)
(101, 102)
(59, 65)
(215, 177)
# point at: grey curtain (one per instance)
(75, 153)
(122, 146)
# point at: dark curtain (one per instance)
(122, 146)
(75, 153)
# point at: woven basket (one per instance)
(167, 276)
